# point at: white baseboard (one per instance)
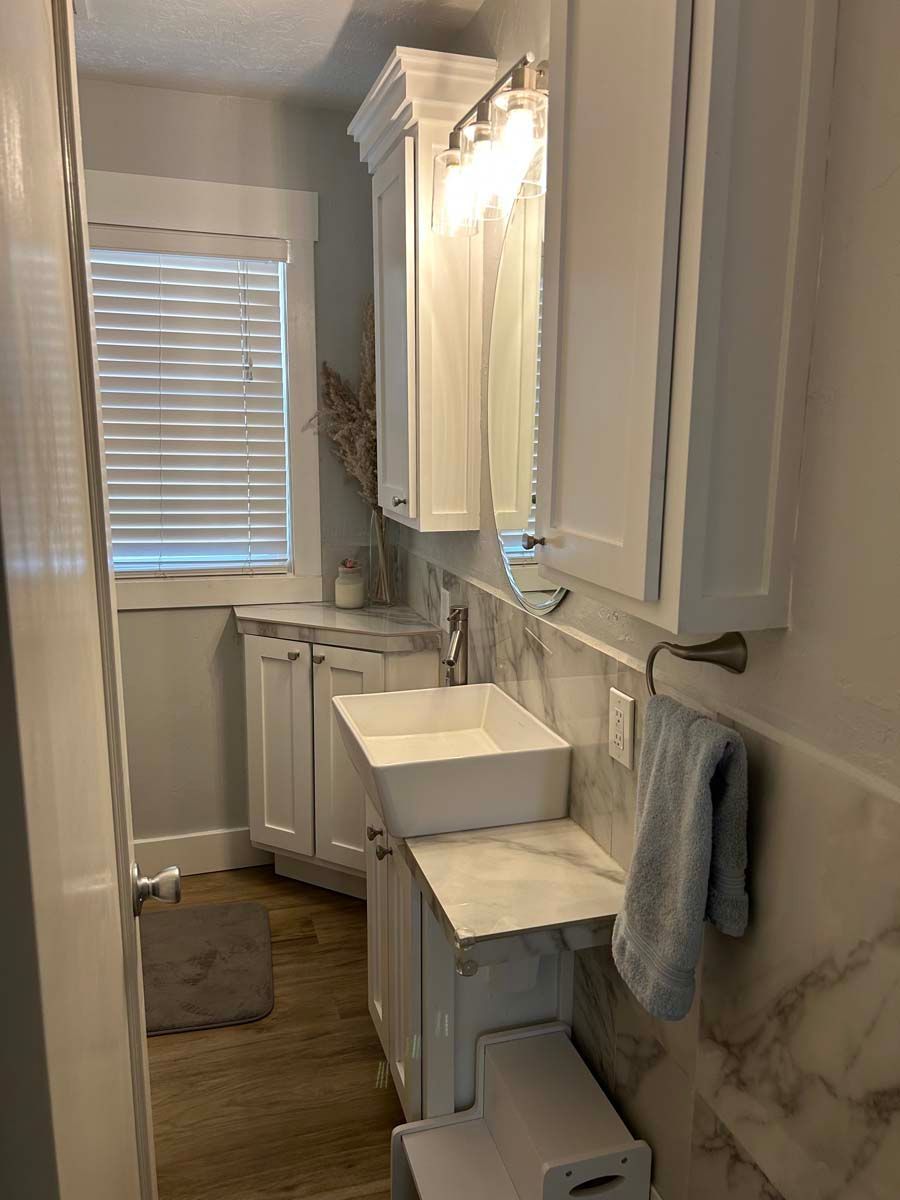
(351, 883)
(200, 853)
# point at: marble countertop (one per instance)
(519, 881)
(382, 629)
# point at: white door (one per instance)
(616, 149)
(377, 923)
(73, 1036)
(340, 795)
(279, 743)
(405, 982)
(394, 234)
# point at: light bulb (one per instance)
(453, 199)
(457, 198)
(518, 140)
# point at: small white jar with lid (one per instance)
(349, 587)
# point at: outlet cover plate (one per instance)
(621, 728)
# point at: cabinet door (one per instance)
(377, 926)
(405, 982)
(394, 233)
(616, 151)
(279, 743)
(340, 796)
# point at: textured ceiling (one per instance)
(321, 52)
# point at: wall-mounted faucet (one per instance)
(456, 659)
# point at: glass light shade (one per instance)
(453, 194)
(480, 158)
(519, 132)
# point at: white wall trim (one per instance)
(199, 853)
(198, 206)
(216, 591)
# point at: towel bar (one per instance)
(728, 651)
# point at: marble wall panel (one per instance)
(783, 1083)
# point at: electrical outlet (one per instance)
(621, 728)
(445, 609)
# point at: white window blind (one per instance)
(193, 385)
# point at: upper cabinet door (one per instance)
(394, 232)
(279, 743)
(616, 151)
(340, 796)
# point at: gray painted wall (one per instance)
(182, 668)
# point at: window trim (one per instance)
(199, 207)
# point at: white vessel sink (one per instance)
(445, 759)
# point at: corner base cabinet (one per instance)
(305, 800)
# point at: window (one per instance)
(191, 358)
(204, 307)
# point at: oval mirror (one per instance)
(514, 390)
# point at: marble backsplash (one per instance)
(784, 1080)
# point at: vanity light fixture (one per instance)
(496, 153)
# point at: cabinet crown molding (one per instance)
(415, 85)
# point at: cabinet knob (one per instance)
(397, 501)
(293, 655)
(382, 852)
(372, 833)
(318, 658)
(529, 542)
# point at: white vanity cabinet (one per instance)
(305, 800)
(428, 294)
(687, 145)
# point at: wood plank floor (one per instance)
(298, 1106)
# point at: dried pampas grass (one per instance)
(347, 417)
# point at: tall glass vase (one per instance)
(381, 567)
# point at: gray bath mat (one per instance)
(206, 966)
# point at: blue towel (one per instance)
(690, 854)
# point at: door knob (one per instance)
(382, 852)
(372, 833)
(165, 885)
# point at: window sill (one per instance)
(216, 591)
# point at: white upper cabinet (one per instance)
(686, 173)
(428, 294)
